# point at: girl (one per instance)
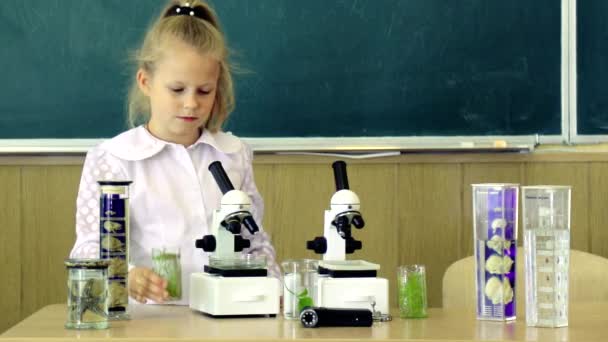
(183, 93)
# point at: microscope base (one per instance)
(352, 293)
(234, 296)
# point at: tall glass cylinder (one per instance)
(546, 221)
(114, 243)
(495, 234)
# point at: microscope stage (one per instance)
(236, 272)
(349, 265)
(348, 268)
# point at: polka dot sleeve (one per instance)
(98, 165)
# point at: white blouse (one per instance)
(172, 197)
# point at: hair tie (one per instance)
(198, 11)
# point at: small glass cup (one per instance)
(166, 263)
(87, 294)
(411, 282)
(300, 283)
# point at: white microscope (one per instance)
(348, 284)
(232, 284)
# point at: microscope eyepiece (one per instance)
(220, 176)
(340, 175)
(250, 224)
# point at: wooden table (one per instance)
(588, 322)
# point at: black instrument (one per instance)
(313, 317)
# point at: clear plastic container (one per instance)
(87, 294)
(546, 222)
(300, 286)
(495, 234)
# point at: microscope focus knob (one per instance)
(358, 221)
(207, 243)
(352, 245)
(318, 245)
(241, 243)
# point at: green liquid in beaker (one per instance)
(412, 296)
(167, 265)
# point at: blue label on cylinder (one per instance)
(112, 206)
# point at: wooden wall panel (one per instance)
(577, 176)
(48, 207)
(483, 173)
(430, 219)
(264, 181)
(295, 205)
(416, 212)
(10, 242)
(598, 208)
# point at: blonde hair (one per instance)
(203, 34)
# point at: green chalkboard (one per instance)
(333, 68)
(592, 65)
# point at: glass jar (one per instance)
(87, 294)
(411, 283)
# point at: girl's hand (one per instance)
(144, 284)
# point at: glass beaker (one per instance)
(495, 234)
(87, 294)
(166, 263)
(300, 286)
(546, 220)
(411, 282)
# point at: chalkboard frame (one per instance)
(572, 133)
(568, 134)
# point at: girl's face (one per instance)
(182, 92)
